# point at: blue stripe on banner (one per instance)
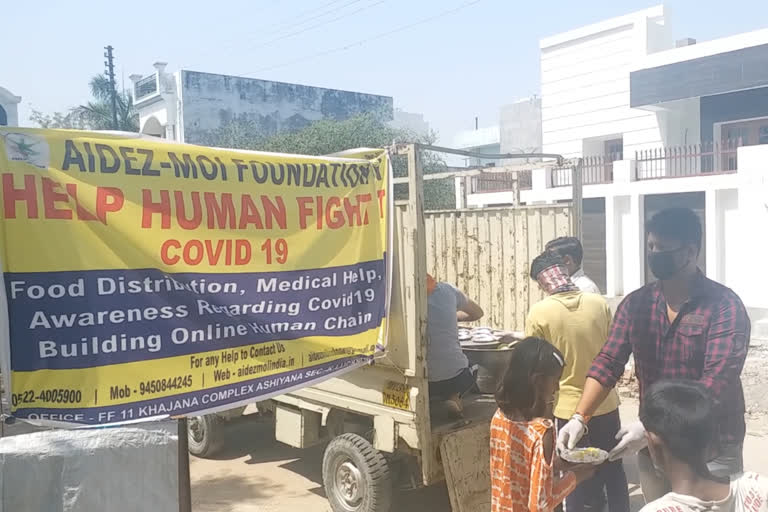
(83, 319)
(228, 396)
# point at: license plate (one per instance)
(397, 395)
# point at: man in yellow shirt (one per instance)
(577, 324)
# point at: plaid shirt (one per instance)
(707, 342)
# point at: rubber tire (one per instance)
(376, 479)
(212, 439)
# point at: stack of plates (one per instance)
(485, 337)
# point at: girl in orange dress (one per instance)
(524, 476)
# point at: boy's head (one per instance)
(679, 423)
(674, 242)
(549, 270)
(569, 249)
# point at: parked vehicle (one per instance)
(376, 419)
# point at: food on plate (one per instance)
(589, 455)
(483, 338)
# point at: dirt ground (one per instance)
(257, 474)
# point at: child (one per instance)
(523, 473)
(681, 427)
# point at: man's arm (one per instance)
(468, 310)
(726, 351)
(608, 366)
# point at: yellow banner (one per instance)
(145, 279)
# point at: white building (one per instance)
(485, 140)
(188, 105)
(9, 108)
(659, 122)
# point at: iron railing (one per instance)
(147, 86)
(501, 182)
(594, 170)
(692, 160)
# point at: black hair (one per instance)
(544, 261)
(532, 356)
(681, 413)
(567, 246)
(677, 224)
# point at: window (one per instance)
(614, 149)
(3, 117)
(763, 135)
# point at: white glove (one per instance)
(631, 440)
(571, 433)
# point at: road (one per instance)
(258, 474)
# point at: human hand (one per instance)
(631, 440)
(571, 433)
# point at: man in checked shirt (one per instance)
(683, 326)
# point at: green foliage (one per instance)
(329, 136)
(96, 114)
(56, 120)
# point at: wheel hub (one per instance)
(348, 480)
(195, 426)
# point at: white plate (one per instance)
(483, 338)
(590, 455)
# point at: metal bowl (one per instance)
(491, 364)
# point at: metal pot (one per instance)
(491, 364)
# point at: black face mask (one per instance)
(663, 264)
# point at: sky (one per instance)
(450, 60)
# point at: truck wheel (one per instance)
(205, 435)
(356, 476)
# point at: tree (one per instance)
(96, 114)
(56, 120)
(330, 136)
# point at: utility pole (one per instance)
(110, 72)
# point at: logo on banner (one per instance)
(23, 147)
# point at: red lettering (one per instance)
(165, 250)
(274, 211)
(249, 214)
(242, 252)
(214, 253)
(197, 210)
(364, 198)
(187, 253)
(50, 197)
(12, 194)
(353, 211)
(334, 218)
(220, 214)
(108, 200)
(304, 210)
(381, 193)
(319, 212)
(82, 213)
(149, 207)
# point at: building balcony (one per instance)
(703, 167)
(686, 161)
(146, 88)
(500, 182)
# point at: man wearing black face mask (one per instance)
(683, 326)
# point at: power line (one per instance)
(330, 51)
(317, 25)
(298, 21)
(286, 24)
